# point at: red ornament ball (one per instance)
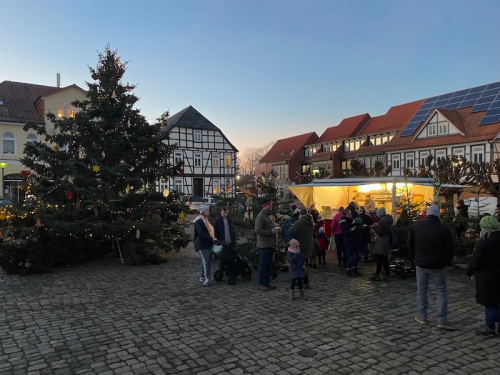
(69, 195)
(25, 173)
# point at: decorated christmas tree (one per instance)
(94, 181)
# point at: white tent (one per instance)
(329, 194)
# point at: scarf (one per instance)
(485, 233)
(209, 226)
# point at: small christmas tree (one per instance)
(94, 180)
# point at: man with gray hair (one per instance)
(430, 245)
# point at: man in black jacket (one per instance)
(461, 216)
(224, 231)
(430, 245)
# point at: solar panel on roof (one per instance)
(480, 98)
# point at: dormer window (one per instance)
(282, 154)
(291, 152)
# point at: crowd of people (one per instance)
(356, 233)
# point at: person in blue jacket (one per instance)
(297, 264)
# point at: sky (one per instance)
(260, 70)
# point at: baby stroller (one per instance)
(399, 264)
(232, 264)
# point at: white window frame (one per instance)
(442, 127)
(9, 138)
(177, 156)
(227, 161)
(459, 152)
(423, 155)
(31, 138)
(197, 159)
(396, 162)
(178, 185)
(196, 135)
(431, 129)
(477, 153)
(410, 160)
(440, 154)
(215, 160)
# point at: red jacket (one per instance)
(335, 223)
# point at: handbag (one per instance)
(332, 245)
(217, 248)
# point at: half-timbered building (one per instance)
(209, 157)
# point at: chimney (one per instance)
(58, 80)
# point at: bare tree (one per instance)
(248, 159)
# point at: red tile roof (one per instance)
(396, 117)
(19, 101)
(348, 127)
(282, 149)
(470, 123)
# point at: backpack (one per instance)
(394, 237)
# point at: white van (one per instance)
(481, 205)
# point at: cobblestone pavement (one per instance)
(107, 318)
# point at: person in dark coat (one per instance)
(461, 216)
(297, 263)
(302, 231)
(485, 265)
(352, 207)
(367, 224)
(431, 246)
(224, 231)
(383, 245)
(339, 239)
(314, 213)
(323, 242)
(204, 237)
(353, 242)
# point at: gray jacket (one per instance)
(264, 225)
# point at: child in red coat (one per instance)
(323, 241)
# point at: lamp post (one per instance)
(3, 165)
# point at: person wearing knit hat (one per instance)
(266, 230)
(431, 247)
(296, 267)
(485, 265)
(323, 242)
(204, 237)
(381, 212)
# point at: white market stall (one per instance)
(329, 194)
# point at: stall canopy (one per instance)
(329, 194)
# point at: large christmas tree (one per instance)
(94, 182)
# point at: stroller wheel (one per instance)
(247, 274)
(218, 275)
(232, 279)
(400, 271)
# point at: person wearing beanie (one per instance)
(485, 265)
(266, 231)
(204, 237)
(367, 224)
(383, 245)
(296, 267)
(431, 247)
(323, 245)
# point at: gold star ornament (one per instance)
(96, 168)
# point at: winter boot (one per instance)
(292, 295)
(303, 294)
(375, 277)
(386, 278)
(349, 273)
(356, 272)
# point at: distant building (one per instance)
(19, 104)
(209, 157)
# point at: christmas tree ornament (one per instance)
(3, 216)
(95, 76)
(165, 193)
(38, 223)
(150, 149)
(137, 233)
(128, 123)
(22, 187)
(77, 205)
(55, 148)
(96, 168)
(113, 95)
(25, 173)
(69, 195)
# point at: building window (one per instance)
(178, 184)
(31, 138)
(8, 144)
(423, 158)
(216, 186)
(197, 135)
(177, 156)
(215, 160)
(395, 162)
(431, 130)
(60, 113)
(443, 128)
(440, 154)
(459, 152)
(227, 160)
(72, 111)
(410, 161)
(477, 154)
(197, 159)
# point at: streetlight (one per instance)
(3, 165)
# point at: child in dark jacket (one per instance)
(323, 245)
(297, 265)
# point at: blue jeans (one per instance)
(266, 257)
(206, 258)
(439, 277)
(492, 314)
(352, 259)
